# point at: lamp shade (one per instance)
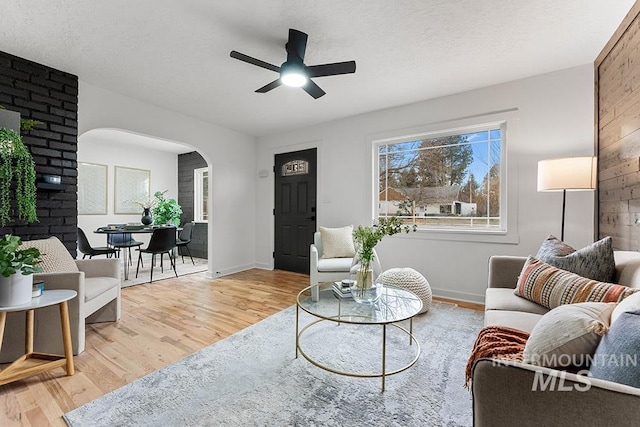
(571, 173)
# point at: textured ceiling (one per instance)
(175, 54)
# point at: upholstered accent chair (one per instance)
(97, 282)
(335, 258)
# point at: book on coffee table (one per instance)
(341, 290)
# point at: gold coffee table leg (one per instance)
(384, 353)
(297, 328)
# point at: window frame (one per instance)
(198, 194)
(507, 122)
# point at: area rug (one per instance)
(253, 378)
(198, 265)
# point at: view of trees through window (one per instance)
(446, 181)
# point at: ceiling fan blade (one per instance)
(313, 89)
(254, 61)
(266, 88)
(296, 45)
(333, 69)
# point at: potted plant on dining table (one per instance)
(364, 288)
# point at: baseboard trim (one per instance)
(228, 271)
(459, 296)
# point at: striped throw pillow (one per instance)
(552, 287)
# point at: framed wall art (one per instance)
(131, 185)
(92, 189)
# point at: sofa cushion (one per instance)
(631, 303)
(505, 299)
(95, 286)
(615, 359)
(513, 319)
(567, 335)
(594, 261)
(55, 256)
(335, 264)
(627, 268)
(337, 242)
(551, 287)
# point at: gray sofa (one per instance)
(502, 391)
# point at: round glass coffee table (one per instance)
(395, 305)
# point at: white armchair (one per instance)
(335, 259)
(325, 269)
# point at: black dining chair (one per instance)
(184, 238)
(119, 241)
(163, 241)
(85, 247)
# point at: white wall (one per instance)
(164, 176)
(230, 155)
(554, 119)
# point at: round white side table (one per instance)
(21, 368)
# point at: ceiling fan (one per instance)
(294, 72)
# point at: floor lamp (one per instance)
(571, 173)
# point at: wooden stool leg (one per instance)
(28, 346)
(66, 335)
(3, 320)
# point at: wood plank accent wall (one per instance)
(617, 129)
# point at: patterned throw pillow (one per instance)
(568, 335)
(594, 261)
(337, 242)
(615, 359)
(551, 287)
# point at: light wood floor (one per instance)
(161, 323)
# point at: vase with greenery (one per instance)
(166, 210)
(366, 239)
(17, 179)
(16, 271)
(147, 205)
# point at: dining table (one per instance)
(130, 229)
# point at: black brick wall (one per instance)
(186, 164)
(50, 96)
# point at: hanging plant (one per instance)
(16, 166)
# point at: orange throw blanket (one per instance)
(496, 342)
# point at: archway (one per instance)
(111, 154)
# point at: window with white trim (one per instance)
(448, 180)
(201, 194)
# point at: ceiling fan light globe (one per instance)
(293, 79)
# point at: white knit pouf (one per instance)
(411, 280)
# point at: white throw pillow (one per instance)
(630, 303)
(337, 242)
(568, 334)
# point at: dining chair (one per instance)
(123, 240)
(163, 241)
(85, 247)
(184, 238)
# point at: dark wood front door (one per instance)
(295, 209)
